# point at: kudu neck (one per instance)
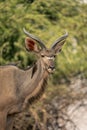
(30, 84)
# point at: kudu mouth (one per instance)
(51, 69)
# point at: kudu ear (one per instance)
(57, 46)
(31, 45)
(30, 42)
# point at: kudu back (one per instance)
(18, 87)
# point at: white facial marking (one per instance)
(47, 57)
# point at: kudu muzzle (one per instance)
(51, 65)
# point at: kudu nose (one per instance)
(52, 67)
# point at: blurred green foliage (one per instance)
(48, 19)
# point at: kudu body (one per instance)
(17, 86)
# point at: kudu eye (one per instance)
(42, 55)
(54, 56)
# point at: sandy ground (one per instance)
(78, 114)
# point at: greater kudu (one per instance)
(17, 86)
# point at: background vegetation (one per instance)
(48, 19)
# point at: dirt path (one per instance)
(78, 114)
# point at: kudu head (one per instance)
(47, 56)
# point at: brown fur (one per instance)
(19, 87)
(20, 92)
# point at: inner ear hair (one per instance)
(30, 44)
